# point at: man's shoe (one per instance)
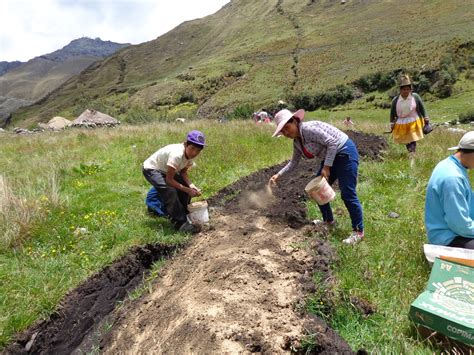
(354, 238)
(319, 222)
(188, 227)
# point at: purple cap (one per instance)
(196, 137)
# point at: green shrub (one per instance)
(235, 73)
(138, 114)
(327, 99)
(444, 85)
(422, 85)
(187, 96)
(303, 100)
(466, 117)
(331, 98)
(242, 112)
(376, 81)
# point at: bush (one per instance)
(235, 73)
(187, 96)
(242, 112)
(303, 100)
(444, 85)
(137, 114)
(466, 117)
(422, 85)
(386, 81)
(327, 99)
(331, 98)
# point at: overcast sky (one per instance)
(29, 28)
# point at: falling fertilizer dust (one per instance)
(258, 199)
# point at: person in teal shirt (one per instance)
(449, 208)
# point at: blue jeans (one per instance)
(175, 201)
(345, 169)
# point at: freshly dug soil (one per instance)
(238, 287)
(86, 305)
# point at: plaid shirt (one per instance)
(320, 139)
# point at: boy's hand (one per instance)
(192, 186)
(193, 192)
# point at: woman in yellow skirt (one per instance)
(407, 116)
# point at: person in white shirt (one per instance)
(167, 171)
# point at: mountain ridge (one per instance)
(30, 81)
(259, 52)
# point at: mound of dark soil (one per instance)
(86, 305)
(290, 190)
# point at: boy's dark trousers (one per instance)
(176, 201)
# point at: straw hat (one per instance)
(283, 116)
(405, 80)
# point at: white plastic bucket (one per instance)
(320, 191)
(198, 213)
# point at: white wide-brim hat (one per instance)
(283, 116)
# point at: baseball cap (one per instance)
(196, 137)
(466, 142)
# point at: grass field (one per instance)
(52, 184)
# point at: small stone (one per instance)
(393, 215)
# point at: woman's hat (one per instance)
(283, 116)
(196, 137)
(405, 81)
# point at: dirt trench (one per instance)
(238, 287)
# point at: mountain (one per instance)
(257, 52)
(6, 66)
(85, 47)
(31, 81)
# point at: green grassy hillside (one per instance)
(256, 52)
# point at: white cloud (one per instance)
(29, 28)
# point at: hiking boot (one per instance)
(150, 212)
(188, 227)
(354, 238)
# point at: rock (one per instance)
(456, 130)
(56, 123)
(80, 231)
(393, 215)
(31, 341)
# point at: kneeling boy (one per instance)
(167, 170)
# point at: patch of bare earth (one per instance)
(238, 287)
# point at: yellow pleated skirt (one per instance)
(407, 132)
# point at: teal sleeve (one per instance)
(457, 208)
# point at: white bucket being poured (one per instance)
(198, 213)
(320, 191)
